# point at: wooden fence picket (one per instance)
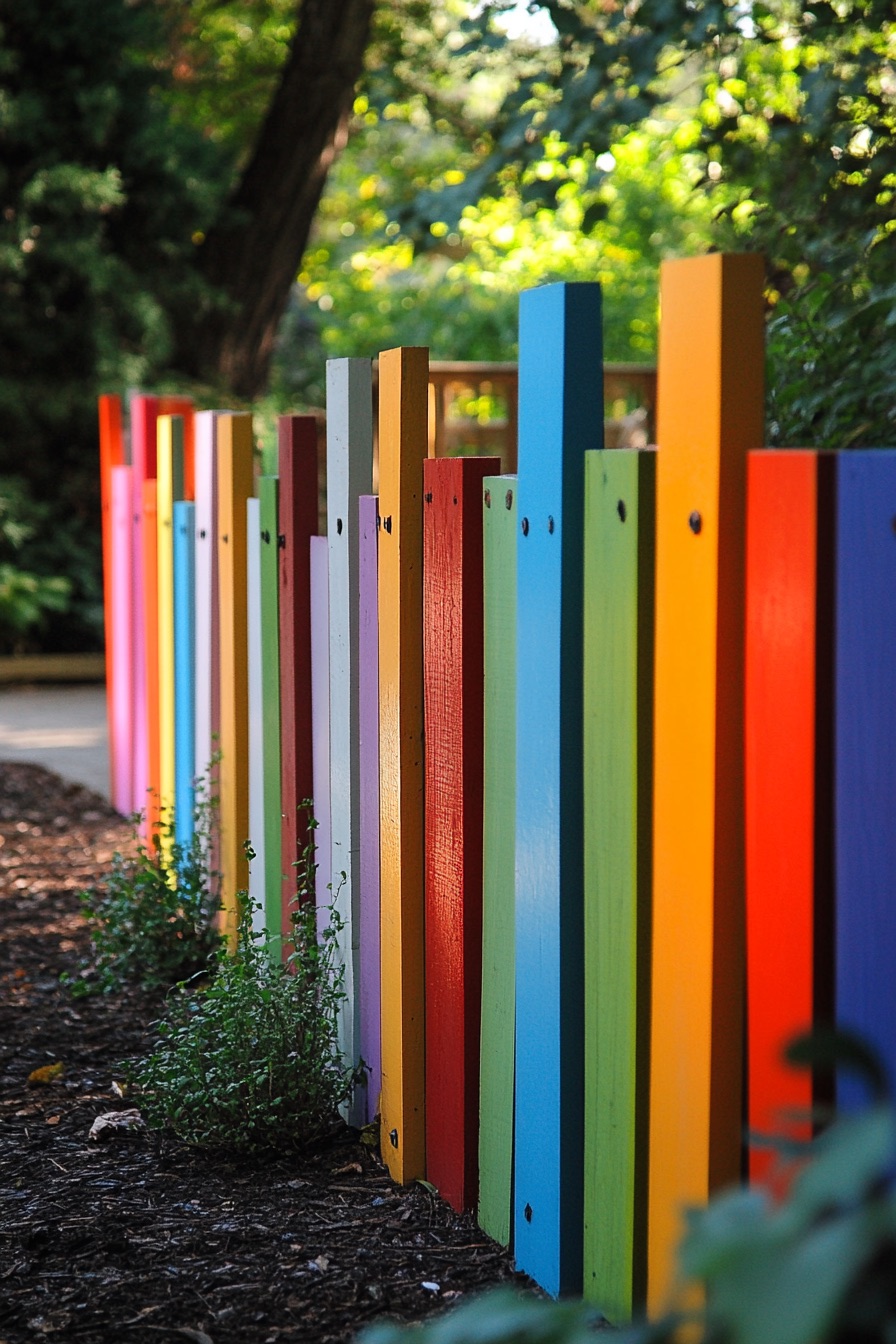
(789, 785)
(234, 487)
(617, 743)
(452, 688)
(402, 448)
(349, 475)
(184, 669)
(268, 487)
(368, 987)
(169, 488)
(254, 646)
(297, 459)
(560, 417)
(865, 755)
(499, 829)
(711, 340)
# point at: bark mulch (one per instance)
(143, 1238)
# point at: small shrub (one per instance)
(252, 1061)
(153, 923)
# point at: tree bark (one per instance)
(252, 254)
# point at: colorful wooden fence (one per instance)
(606, 753)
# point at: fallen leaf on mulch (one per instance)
(47, 1073)
(116, 1125)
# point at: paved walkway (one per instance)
(62, 727)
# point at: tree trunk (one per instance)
(252, 254)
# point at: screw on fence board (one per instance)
(393, 1137)
(266, 537)
(550, 524)
(525, 527)
(488, 499)
(281, 541)
(225, 538)
(695, 523)
(387, 523)
(508, 499)
(527, 1213)
(621, 510)
(339, 527)
(202, 534)
(428, 497)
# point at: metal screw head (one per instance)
(428, 497)
(387, 524)
(550, 524)
(202, 534)
(281, 540)
(527, 1213)
(339, 527)
(525, 526)
(488, 499)
(508, 500)
(622, 511)
(266, 537)
(393, 1137)
(695, 523)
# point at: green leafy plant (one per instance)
(817, 1267)
(153, 923)
(252, 1060)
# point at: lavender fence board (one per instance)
(320, 722)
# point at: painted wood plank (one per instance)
(143, 414)
(184, 407)
(320, 724)
(270, 686)
(184, 670)
(367, 990)
(560, 360)
(452, 694)
(789, 824)
(120, 652)
(152, 796)
(618, 712)
(349, 474)
(865, 747)
(208, 696)
(500, 524)
(297, 449)
(403, 375)
(234, 461)
(111, 455)
(169, 487)
(256, 714)
(710, 411)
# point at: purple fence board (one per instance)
(368, 988)
(320, 720)
(121, 629)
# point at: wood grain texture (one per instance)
(151, 799)
(367, 991)
(297, 448)
(560, 417)
(120, 652)
(865, 786)
(256, 714)
(184, 669)
(234, 482)
(402, 448)
(111, 455)
(169, 487)
(270, 683)
(618, 701)
(789, 849)
(710, 412)
(452, 692)
(349, 475)
(500, 526)
(143, 414)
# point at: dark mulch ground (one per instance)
(142, 1238)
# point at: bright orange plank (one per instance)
(709, 412)
(404, 377)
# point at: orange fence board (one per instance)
(710, 411)
(402, 448)
(234, 454)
